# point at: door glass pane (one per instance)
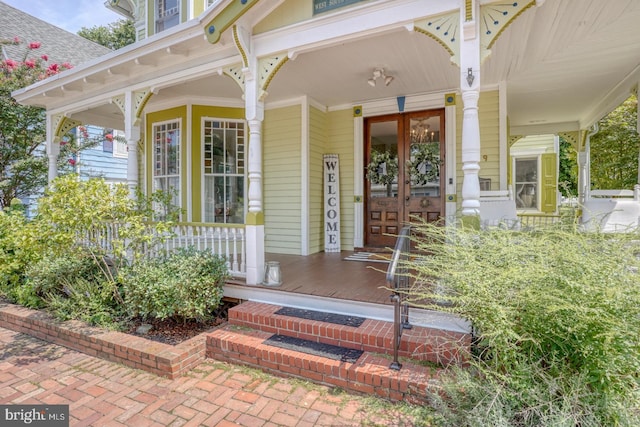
(526, 183)
(382, 170)
(424, 157)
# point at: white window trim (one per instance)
(529, 155)
(119, 148)
(153, 140)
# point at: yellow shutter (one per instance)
(549, 183)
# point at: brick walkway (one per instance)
(102, 393)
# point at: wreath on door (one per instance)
(425, 164)
(383, 168)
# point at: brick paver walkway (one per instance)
(102, 393)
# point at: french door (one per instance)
(404, 160)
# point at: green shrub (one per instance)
(21, 245)
(77, 285)
(73, 210)
(557, 315)
(186, 284)
(57, 260)
(54, 273)
(91, 301)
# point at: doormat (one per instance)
(337, 319)
(369, 257)
(329, 351)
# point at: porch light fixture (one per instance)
(470, 76)
(378, 73)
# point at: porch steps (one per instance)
(251, 324)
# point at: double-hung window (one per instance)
(119, 145)
(224, 143)
(526, 183)
(166, 159)
(167, 14)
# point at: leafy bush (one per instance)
(557, 315)
(57, 260)
(53, 273)
(91, 301)
(20, 246)
(74, 210)
(77, 285)
(185, 284)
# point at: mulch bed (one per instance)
(171, 331)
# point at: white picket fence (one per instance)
(226, 241)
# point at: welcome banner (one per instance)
(331, 203)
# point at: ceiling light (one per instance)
(378, 73)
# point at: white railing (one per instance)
(612, 210)
(226, 241)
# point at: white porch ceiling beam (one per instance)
(616, 96)
(112, 122)
(545, 128)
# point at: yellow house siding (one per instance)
(199, 6)
(317, 144)
(151, 17)
(197, 113)
(177, 113)
(289, 12)
(282, 180)
(489, 117)
(340, 141)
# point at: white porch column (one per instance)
(584, 166)
(132, 135)
(52, 149)
(582, 176)
(470, 87)
(254, 221)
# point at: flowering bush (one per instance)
(23, 167)
(30, 69)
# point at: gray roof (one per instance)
(58, 44)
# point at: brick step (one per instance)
(375, 336)
(370, 373)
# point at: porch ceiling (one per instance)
(565, 64)
(338, 75)
(568, 62)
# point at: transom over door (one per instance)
(404, 158)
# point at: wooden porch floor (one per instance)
(330, 275)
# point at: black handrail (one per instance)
(398, 280)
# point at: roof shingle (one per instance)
(58, 44)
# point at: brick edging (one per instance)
(136, 352)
